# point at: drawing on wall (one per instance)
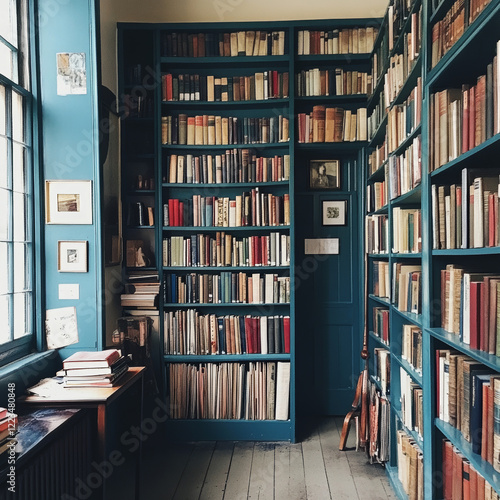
(334, 213)
(68, 202)
(60, 327)
(72, 256)
(71, 73)
(324, 174)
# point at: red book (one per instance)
(169, 92)
(475, 312)
(175, 213)
(256, 335)
(473, 483)
(489, 444)
(480, 487)
(171, 212)
(3, 413)
(92, 359)
(466, 481)
(263, 251)
(447, 469)
(286, 331)
(9, 423)
(457, 482)
(181, 213)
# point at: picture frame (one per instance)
(334, 213)
(68, 202)
(72, 256)
(324, 174)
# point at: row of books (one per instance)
(379, 58)
(406, 230)
(377, 115)
(463, 118)
(236, 165)
(397, 14)
(381, 323)
(222, 249)
(447, 31)
(335, 41)
(250, 391)
(210, 130)
(226, 288)
(209, 88)
(140, 215)
(411, 346)
(250, 209)
(411, 403)
(410, 466)
(142, 287)
(93, 368)
(461, 479)
(377, 157)
(377, 195)
(329, 82)
(382, 368)
(236, 43)
(137, 106)
(381, 282)
(405, 170)
(190, 332)
(377, 234)
(332, 125)
(470, 307)
(467, 397)
(407, 287)
(466, 216)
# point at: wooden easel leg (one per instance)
(355, 411)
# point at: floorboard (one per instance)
(238, 478)
(314, 469)
(262, 474)
(216, 478)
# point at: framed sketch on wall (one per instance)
(68, 202)
(324, 174)
(334, 213)
(72, 256)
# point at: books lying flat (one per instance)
(96, 372)
(103, 382)
(92, 359)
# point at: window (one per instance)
(16, 182)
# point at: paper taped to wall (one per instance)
(321, 246)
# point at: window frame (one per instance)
(17, 348)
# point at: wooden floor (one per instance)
(313, 469)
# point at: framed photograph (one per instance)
(324, 174)
(334, 213)
(72, 256)
(68, 202)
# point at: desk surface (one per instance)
(95, 395)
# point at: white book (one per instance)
(282, 390)
(269, 289)
(263, 335)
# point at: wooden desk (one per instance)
(99, 398)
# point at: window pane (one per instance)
(8, 21)
(21, 323)
(2, 110)
(5, 314)
(4, 220)
(6, 62)
(19, 217)
(4, 165)
(19, 169)
(21, 269)
(5, 286)
(17, 117)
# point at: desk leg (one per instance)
(101, 442)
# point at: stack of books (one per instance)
(141, 291)
(8, 429)
(94, 369)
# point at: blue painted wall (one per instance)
(71, 152)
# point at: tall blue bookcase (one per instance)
(142, 62)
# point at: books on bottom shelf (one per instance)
(250, 391)
(189, 332)
(468, 398)
(470, 304)
(379, 426)
(410, 466)
(411, 403)
(460, 478)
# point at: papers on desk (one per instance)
(47, 387)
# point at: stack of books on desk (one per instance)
(94, 369)
(8, 430)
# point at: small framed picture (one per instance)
(72, 256)
(68, 202)
(334, 213)
(324, 174)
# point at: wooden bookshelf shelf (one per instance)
(380, 300)
(378, 340)
(191, 185)
(406, 255)
(380, 211)
(412, 197)
(378, 174)
(190, 229)
(378, 256)
(227, 304)
(415, 435)
(332, 58)
(379, 133)
(392, 473)
(332, 99)
(238, 61)
(225, 268)
(416, 319)
(258, 146)
(410, 83)
(416, 376)
(221, 358)
(335, 147)
(467, 252)
(226, 104)
(401, 148)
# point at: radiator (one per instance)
(52, 473)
